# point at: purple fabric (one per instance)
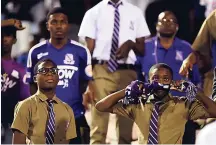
(13, 88)
(12, 68)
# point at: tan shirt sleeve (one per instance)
(197, 111)
(126, 111)
(71, 130)
(21, 117)
(207, 33)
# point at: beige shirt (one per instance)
(207, 33)
(173, 116)
(31, 115)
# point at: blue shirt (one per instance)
(172, 56)
(74, 64)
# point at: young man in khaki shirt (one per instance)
(43, 118)
(173, 112)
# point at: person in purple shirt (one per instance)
(13, 81)
(74, 68)
(167, 48)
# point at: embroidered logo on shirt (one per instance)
(6, 82)
(69, 59)
(131, 25)
(40, 55)
(179, 55)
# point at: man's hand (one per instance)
(124, 49)
(187, 65)
(88, 96)
(18, 24)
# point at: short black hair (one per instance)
(41, 61)
(56, 10)
(161, 65)
(9, 31)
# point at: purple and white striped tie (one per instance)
(153, 128)
(112, 63)
(50, 130)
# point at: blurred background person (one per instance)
(210, 6)
(13, 79)
(204, 53)
(114, 31)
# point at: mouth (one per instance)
(50, 81)
(59, 32)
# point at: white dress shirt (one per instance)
(98, 24)
(207, 136)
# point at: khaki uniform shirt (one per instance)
(173, 116)
(31, 115)
(207, 33)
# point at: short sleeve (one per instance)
(206, 34)
(125, 111)
(21, 117)
(71, 130)
(31, 61)
(197, 111)
(142, 27)
(88, 25)
(85, 64)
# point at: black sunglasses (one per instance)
(45, 71)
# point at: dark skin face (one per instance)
(167, 23)
(58, 26)
(8, 41)
(47, 81)
(163, 76)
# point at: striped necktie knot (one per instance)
(115, 5)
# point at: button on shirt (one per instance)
(30, 118)
(173, 56)
(98, 24)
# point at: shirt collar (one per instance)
(165, 100)
(160, 46)
(120, 1)
(43, 97)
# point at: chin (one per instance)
(161, 94)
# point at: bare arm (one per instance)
(90, 44)
(107, 103)
(208, 103)
(12, 22)
(18, 137)
(139, 48)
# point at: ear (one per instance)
(35, 79)
(14, 41)
(177, 28)
(47, 26)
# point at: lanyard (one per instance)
(155, 50)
